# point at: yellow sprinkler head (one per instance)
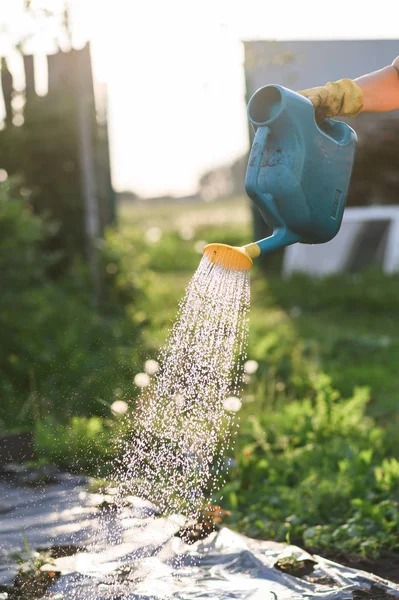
(232, 258)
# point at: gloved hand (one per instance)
(338, 98)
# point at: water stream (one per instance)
(182, 426)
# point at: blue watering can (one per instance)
(298, 175)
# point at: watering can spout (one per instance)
(240, 258)
(298, 175)
(233, 258)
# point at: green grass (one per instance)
(346, 326)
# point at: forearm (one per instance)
(381, 89)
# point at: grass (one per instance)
(346, 326)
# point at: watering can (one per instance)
(298, 175)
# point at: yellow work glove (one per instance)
(343, 98)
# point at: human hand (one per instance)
(338, 98)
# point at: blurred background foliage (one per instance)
(50, 170)
(58, 355)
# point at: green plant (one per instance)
(32, 580)
(317, 470)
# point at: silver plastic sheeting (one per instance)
(225, 566)
(137, 556)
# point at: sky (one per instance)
(174, 73)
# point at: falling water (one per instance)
(182, 425)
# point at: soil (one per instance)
(374, 593)
(386, 566)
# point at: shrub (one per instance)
(59, 355)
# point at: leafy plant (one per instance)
(317, 470)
